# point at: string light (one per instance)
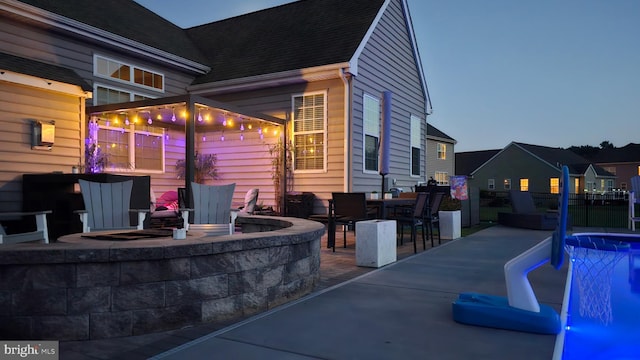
(199, 116)
(173, 114)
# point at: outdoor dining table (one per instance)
(384, 208)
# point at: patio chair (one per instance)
(41, 234)
(417, 217)
(212, 209)
(165, 210)
(106, 206)
(634, 198)
(435, 199)
(525, 215)
(349, 208)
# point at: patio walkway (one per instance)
(401, 311)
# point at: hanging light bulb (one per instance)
(173, 115)
(199, 116)
(242, 127)
(149, 120)
(126, 120)
(222, 136)
(204, 137)
(241, 137)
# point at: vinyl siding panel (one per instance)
(387, 63)
(62, 50)
(434, 164)
(20, 106)
(277, 102)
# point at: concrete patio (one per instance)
(402, 311)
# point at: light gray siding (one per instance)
(20, 106)
(388, 63)
(433, 164)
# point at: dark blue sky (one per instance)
(545, 72)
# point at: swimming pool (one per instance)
(601, 308)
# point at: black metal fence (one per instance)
(593, 210)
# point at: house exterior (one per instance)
(441, 159)
(537, 168)
(623, 162)
(238, 88)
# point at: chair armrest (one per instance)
(20, 213)
(142, 214)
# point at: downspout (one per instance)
(346, 79)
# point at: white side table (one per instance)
(375, 243)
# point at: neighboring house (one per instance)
(623, 162)
(308, 74)
(441, 160)
(537, 169)
(468, 161)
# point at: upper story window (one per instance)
(491, 184)
(371, 133)
(554, 185)
(524, 184)
(507, 184)
(416, 144)
(109, 95)
(131, 74)
(442, 151)
(309, 131)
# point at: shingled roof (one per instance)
(127, 19)
(467, 162)
(553, 156)
(42, 70)
(293, 36)
(432, 131)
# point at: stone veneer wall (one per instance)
(67, 291)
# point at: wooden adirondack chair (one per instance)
(212, 209)
(106, 206)
(41, 234)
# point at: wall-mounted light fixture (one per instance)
(43, 135)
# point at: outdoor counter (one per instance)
(94, 289)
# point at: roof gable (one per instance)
(433, 132)
(467, 162)
(298, 35)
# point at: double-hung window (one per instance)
(442, 151)
(491, 184)
(309, 131)
(416, 142)
(371, 133)
(442, 177)
(524, 184)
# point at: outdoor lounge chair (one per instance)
(525, 215)
(212, 209)
(107, 206)
(41, 233)
(634, 198)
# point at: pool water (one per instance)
(609, 335)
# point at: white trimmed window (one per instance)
(554, 185)
(416, 144)
(442, 151)
(507, 184)
(117, 70)
(130, 149)
(108, 95)
(491, 184)
(371, 133)
(309, 131)
(442, 177)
